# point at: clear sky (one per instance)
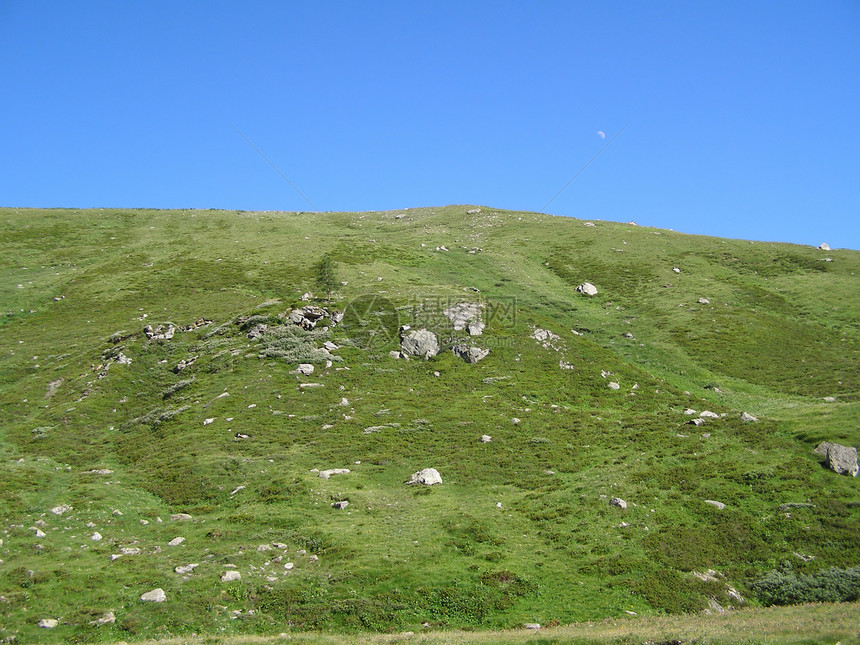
(744, 117)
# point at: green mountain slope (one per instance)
(584, 399)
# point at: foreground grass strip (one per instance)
(813, 623)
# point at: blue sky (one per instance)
(744, 118)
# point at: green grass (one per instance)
(521, 529)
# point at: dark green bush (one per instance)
(785, 587)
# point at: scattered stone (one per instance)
(180, 517)
(48, 623)
(696, 422)
(830, 399)
(160, 332)
(720, 506)
(107, 618)
(565, 365)
(747, 417)
(620, 503)
(394, 354)
(475, 328)
(485, 438)
(230, 576)
(96, 537)
(628, 335)
(428, 477)
(703, 301)
(129, 550)
(420, 343)
(471, 354)
(176, 541)
(804, 557)
(515, 421)
(330, 346)
(257, 331)
(302, 386)
(824, 246)
(288, 566)
(304, 368)
(62, 508)
(187, 568)
(689, 411)
(206, 422)
(587, 289)
(344, 401)
(534, 626)
(707, 414)
(676, 270)
(340, 505)
(37, 532)
(325, 474)
(840, 459)
(589, 224)
(156, 595)
(614, 386)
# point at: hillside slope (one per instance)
(584, 399)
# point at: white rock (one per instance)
(703, 301)
(37, 532)
(206, 422)
(707, 414)
(746, 416)
(720, 506)
(107, 618)
(156, 595)
(325, 474)
(614, 386)
(62, 508)
(689, 411)
(535, 626)
(485, 438)
(340, 505)
(676, 270)
(427, 476)
(515, 421)
(48, 623)
(344, 401)
(620, 503)
(288, 566)
(96, 537)
(130, 550)
(230, 576)
(176, 541)
(824, 246)
(187, 568)
(305, 368)
(180, 517)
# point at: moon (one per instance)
(601, 134)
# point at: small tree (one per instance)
(326, 276)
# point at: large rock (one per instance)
(471, 354)
(420, 343)
(156, 595)
(325, 474)
(428, 477)
(840, 459)
(587, 289)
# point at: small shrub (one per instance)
(785, 587)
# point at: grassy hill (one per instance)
(97, 418)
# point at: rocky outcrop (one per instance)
(428, 477)
(156, 595)
(471, 354)
(420, 343)
(160, 332)
(838, 458)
